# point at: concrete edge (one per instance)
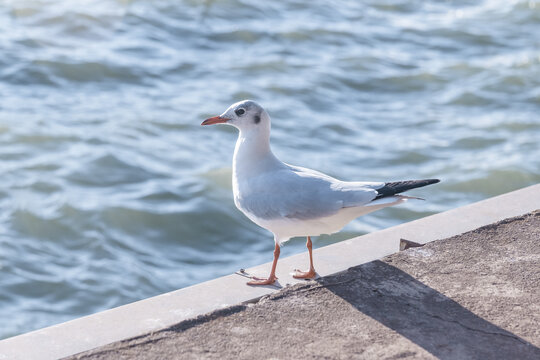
(171, 308)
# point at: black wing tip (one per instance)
(394, 188)
(411, 184)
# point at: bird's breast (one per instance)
(241, 190)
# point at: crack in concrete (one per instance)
(304, 289)
(474, 329)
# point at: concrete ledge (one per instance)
(470, 296)
(168, 309)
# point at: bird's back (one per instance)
(298, 193)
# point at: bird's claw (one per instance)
(262, 281)
(298, 274)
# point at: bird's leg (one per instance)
(311, 272)
(272, 278)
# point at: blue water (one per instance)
(112, 192)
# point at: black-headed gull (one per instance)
(290, 200)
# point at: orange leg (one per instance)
(311, 272)
(272, 278)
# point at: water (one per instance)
(111, 191)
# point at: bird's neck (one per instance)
(252, 154)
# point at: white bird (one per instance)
(290, 200)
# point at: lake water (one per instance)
(112, 192)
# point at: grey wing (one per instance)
(352, 194)
(302, 195)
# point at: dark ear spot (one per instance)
(257, 118)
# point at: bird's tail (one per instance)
(393, 188)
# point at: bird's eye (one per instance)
(240, 112)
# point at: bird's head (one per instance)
(245, 115)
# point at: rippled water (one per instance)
(111, 191)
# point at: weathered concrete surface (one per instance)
(472, 296)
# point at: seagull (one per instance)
(292, 201)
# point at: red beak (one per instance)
(215, 120)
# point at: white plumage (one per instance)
(290, 200)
